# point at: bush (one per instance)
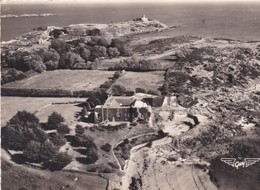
(107, 84)
(140, 90)
(117, 74)
(63, 128)
(106, 147)
(118, 90)
(153, 92)
(93, 32)
(79, 129)
(138, 65)
(36, 92)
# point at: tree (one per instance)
(23, 118)
(113, 52)
(47, 151)
(32, 151)
(84, 111)
(118, 90)
(57, 139)
(85, 53)
(97, 52)
(106, 147)
(59, 161)
(51, 65)
(54, 119)
(72, 59)
(16, 136)
(59, 45)
(120, 44)
(34, 62)
(63, 128)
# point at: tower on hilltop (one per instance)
(144, 19)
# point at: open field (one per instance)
(64, 79)
(41, 106)
(146, 80)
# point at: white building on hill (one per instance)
(144, 19)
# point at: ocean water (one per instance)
(236, 21)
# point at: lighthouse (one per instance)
(144, 19)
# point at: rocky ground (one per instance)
(217, 81)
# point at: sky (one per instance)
(121, 1)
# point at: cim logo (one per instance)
(236, 163)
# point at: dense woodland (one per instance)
(61, 54)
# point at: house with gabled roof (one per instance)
(121, 108)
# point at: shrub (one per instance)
(140, 90)
(79, 129)
(117, 74)
(118, 90)
(57, 32)
(107, 84)
(93, 32)
(63, 128)
(153, 92)
(106, 147)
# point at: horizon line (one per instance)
(126, 1)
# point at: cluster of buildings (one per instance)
(125, 108)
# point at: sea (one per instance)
(240, 21)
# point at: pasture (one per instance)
(146, 80)
(72, 80)
(42, 107)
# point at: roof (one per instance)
(119, 101)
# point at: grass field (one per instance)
(146, 80)
(64, 79)
(20, 177)
(41, 106)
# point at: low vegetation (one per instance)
(137, 65)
